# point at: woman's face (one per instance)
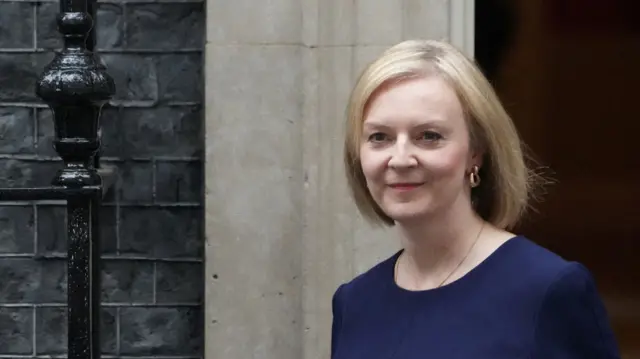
(415, 151)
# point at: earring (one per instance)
(474, 177)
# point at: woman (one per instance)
(430, 149)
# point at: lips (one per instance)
(405, 186)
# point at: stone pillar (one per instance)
(281, 230)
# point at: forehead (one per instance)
(419, 100)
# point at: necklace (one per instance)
(395, 271)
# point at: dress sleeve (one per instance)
(572, 322)
(336, 307)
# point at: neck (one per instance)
(436, 246)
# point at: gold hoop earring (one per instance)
(474, 177)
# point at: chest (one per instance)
(437, 332)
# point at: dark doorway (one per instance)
(568, 73)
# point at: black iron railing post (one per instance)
(76, 86)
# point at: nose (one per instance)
(402, 155)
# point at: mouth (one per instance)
(405, 186)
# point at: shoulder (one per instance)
(526, 264)
(544, 272)
(374, 280)
(570, 317)
(528, 273)
(530, 254)
(572, 285)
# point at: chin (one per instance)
(407, 212)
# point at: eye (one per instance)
(377, 137)
(430, 136)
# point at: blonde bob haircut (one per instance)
(502, 196)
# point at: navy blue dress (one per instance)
(523, 301)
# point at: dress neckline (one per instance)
(477, 271)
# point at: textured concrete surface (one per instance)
(288, 233)
(152, 222)
(281, 232)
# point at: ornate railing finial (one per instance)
(76, 85)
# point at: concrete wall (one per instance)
(281, 231)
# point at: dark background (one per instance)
(567, 72)
(152, 221)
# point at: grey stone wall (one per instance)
(152, 220)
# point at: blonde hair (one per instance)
(503, 195)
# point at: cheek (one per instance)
(373, 164)
(448, 164)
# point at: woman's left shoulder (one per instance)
(572, 318)
(542, 263)
(529, 258)
(534, 270)
(570, 314)
(572, 282)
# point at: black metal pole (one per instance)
(76, 86)
(83, 280)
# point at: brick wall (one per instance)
(152, 220)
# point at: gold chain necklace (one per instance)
(395, 271)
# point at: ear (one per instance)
(476, 158)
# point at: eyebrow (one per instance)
(381, 124)
(373, 124)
